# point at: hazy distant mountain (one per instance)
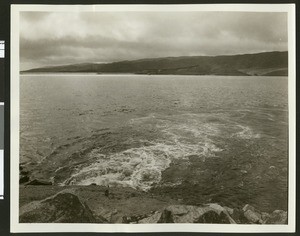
(266, 63)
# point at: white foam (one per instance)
(246, 133)
(179, 137)
(142, 167)
(136, 167)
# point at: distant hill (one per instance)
(266, 63)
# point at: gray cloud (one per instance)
(52, 38)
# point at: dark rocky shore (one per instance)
(41, 202)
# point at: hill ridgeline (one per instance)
(262, 64)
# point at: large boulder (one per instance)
(210, 213)
(63, 207)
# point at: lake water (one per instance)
(194, 138)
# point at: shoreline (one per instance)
(98, 204)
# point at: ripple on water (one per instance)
(141, 167)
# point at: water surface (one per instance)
(196, 138)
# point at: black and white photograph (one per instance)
(153, 118)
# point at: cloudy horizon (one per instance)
(60, 38)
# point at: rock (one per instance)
(101, 219)
(278, 217)
(117, 219)
(229, 210)
(134, 219)
(61, 208)
(216, 207)
(152, 219)
(24, 172)
(238, 216)
(166, 217)
(224, 216)
(23, 179)
(39, 182)
(265, 216)
(213, 217)
(252, 215)
(125, 219)
(210, 213)
(248, 207)
(105, 214)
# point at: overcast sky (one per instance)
(54, 38)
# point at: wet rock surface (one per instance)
(78, 204)
(60, 208)
(211, 213)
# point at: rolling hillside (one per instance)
(267, 63)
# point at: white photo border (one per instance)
(17, 227)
